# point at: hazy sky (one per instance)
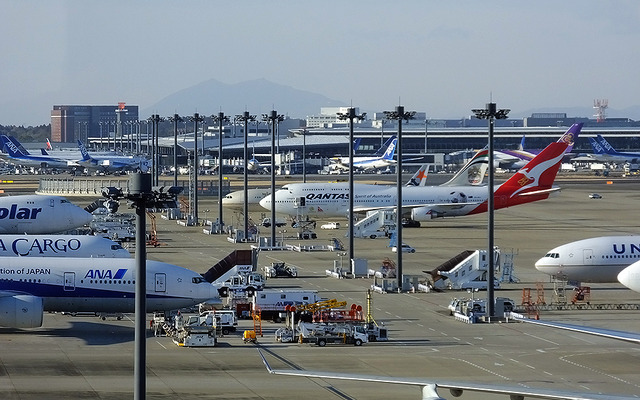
(442, 57)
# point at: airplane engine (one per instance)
(21, 311)
(423, 214)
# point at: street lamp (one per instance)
(195, 118)
(351, 115)
(155, 120)
(490, 113)
(220, 119)
(399, 114)
(274, 118)
(175, 119)
(142, 196)
(246, 117)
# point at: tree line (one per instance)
(27, 134)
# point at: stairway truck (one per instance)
(271, 304)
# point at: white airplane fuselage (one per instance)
(331, 199)
(38, 214)
(60, 246)
(100, 284)
(598, 259)
(235, 200)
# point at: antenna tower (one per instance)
(601, 109)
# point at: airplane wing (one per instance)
(430, 387)
(410, 206)
(608, 333)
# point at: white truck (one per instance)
(195, 330)
(272, 304)
(321, 334)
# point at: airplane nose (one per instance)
(81, 217)
(630, 277)
(547, 266)
(266, 203)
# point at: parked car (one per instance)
(330, 225)
(405, 249)
(267, 222)
(595, 196)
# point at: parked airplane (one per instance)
(60, 246)
(17, 154)
(603, 151)
(531, 183)
(630, 276)
(112, 163)
(420, 177)
(31, 285)
(36, 214)
(429, 387)
(598, 259)
(235, 200)
(364, 163)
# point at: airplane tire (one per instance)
(372, 236)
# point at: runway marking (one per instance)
(541, 338)
(484, 369)
(616, 378)
(161, 345)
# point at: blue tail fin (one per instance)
(391, 150)
(606, 147)
(83, 151)
(12, 146)
(380, 152)
(597, 148)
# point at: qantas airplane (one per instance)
(17, 154)
(60, 246)
(531, 183)
(598, 259)
(112, 163)
(37, 214)
(31, 285)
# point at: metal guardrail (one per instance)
(580, 306)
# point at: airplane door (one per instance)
(588, 257)
(161, 281)
(69, 281)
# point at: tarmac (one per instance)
(85, 357)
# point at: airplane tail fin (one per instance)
(356, 145)
(391, 150)
(83, 151)
(420, 177)
(12, 146)
(606, 147)
(380, 152)
(535, 180)
(44, 152)
(521, 146)
(49, 147)
(597, 148)
(473, 172)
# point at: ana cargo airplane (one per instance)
(36, 214)
(17, 154)
(112, 163)
(531, 183)
(31, 285)
(60, 246)
(603, 151)
(598, 259)
(429, 387)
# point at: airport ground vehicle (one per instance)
(323, 333)
(271, 304)
(250, 283)
(267, 222)
(195, 330)
(330, 225)
(405, 249)
(280, 270)
(595, 196)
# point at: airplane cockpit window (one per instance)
(553, 255)
(198, 279)
(116, 247)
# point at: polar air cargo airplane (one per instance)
(17, 154)
(60, 246)
(531, 183)
(36, 214)
(598, 259)
(456, 388)
(31, 285)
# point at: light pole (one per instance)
(220, 119)
(274, 118)
(195, 118)
(351, 115)
(155, 120)
(399, 114)
(175, 119)
(490, 113)
(246, 117)
(142, 196)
